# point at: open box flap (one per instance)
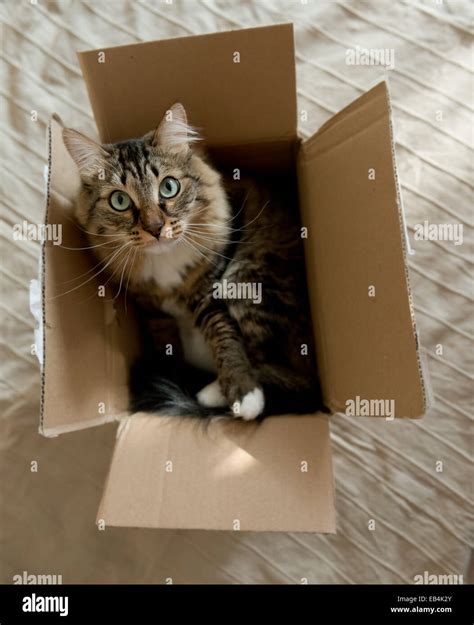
(357, 271)
(83, 332)
(222, 474)
(246, 75)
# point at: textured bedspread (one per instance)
(386, 472)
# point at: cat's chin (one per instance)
(158, 247)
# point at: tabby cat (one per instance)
(223, 258)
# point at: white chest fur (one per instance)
(167, 270)
(166, 266)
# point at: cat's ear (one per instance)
(174, 133)
(88, 155)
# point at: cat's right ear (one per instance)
(88, 155)
(174, 134)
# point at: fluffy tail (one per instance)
(163, 387)
(169, 390)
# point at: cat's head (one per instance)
(151, 192)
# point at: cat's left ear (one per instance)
(174, 133)
(88, 155)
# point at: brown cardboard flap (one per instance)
(85, 373)
(366, 336)
(131, 86)
(222, 474)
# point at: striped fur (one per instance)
(180, 255)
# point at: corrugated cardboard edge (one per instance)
(43, 282)
(428, 397)
(82, 425)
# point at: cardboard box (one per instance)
(239, 88)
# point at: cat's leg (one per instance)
(237, 381)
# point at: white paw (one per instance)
(212, 396)
(251, 405)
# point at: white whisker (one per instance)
(114, 255)
(130, 275)
(211, 250)
(115, 248)
(127, 258)
(88, 247)
(193, 247)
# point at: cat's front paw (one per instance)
(250, 406)
(212, 396)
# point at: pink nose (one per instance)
(153, 226)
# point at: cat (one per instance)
(224, 258)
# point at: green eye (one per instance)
(120, 201)
(169, 187)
